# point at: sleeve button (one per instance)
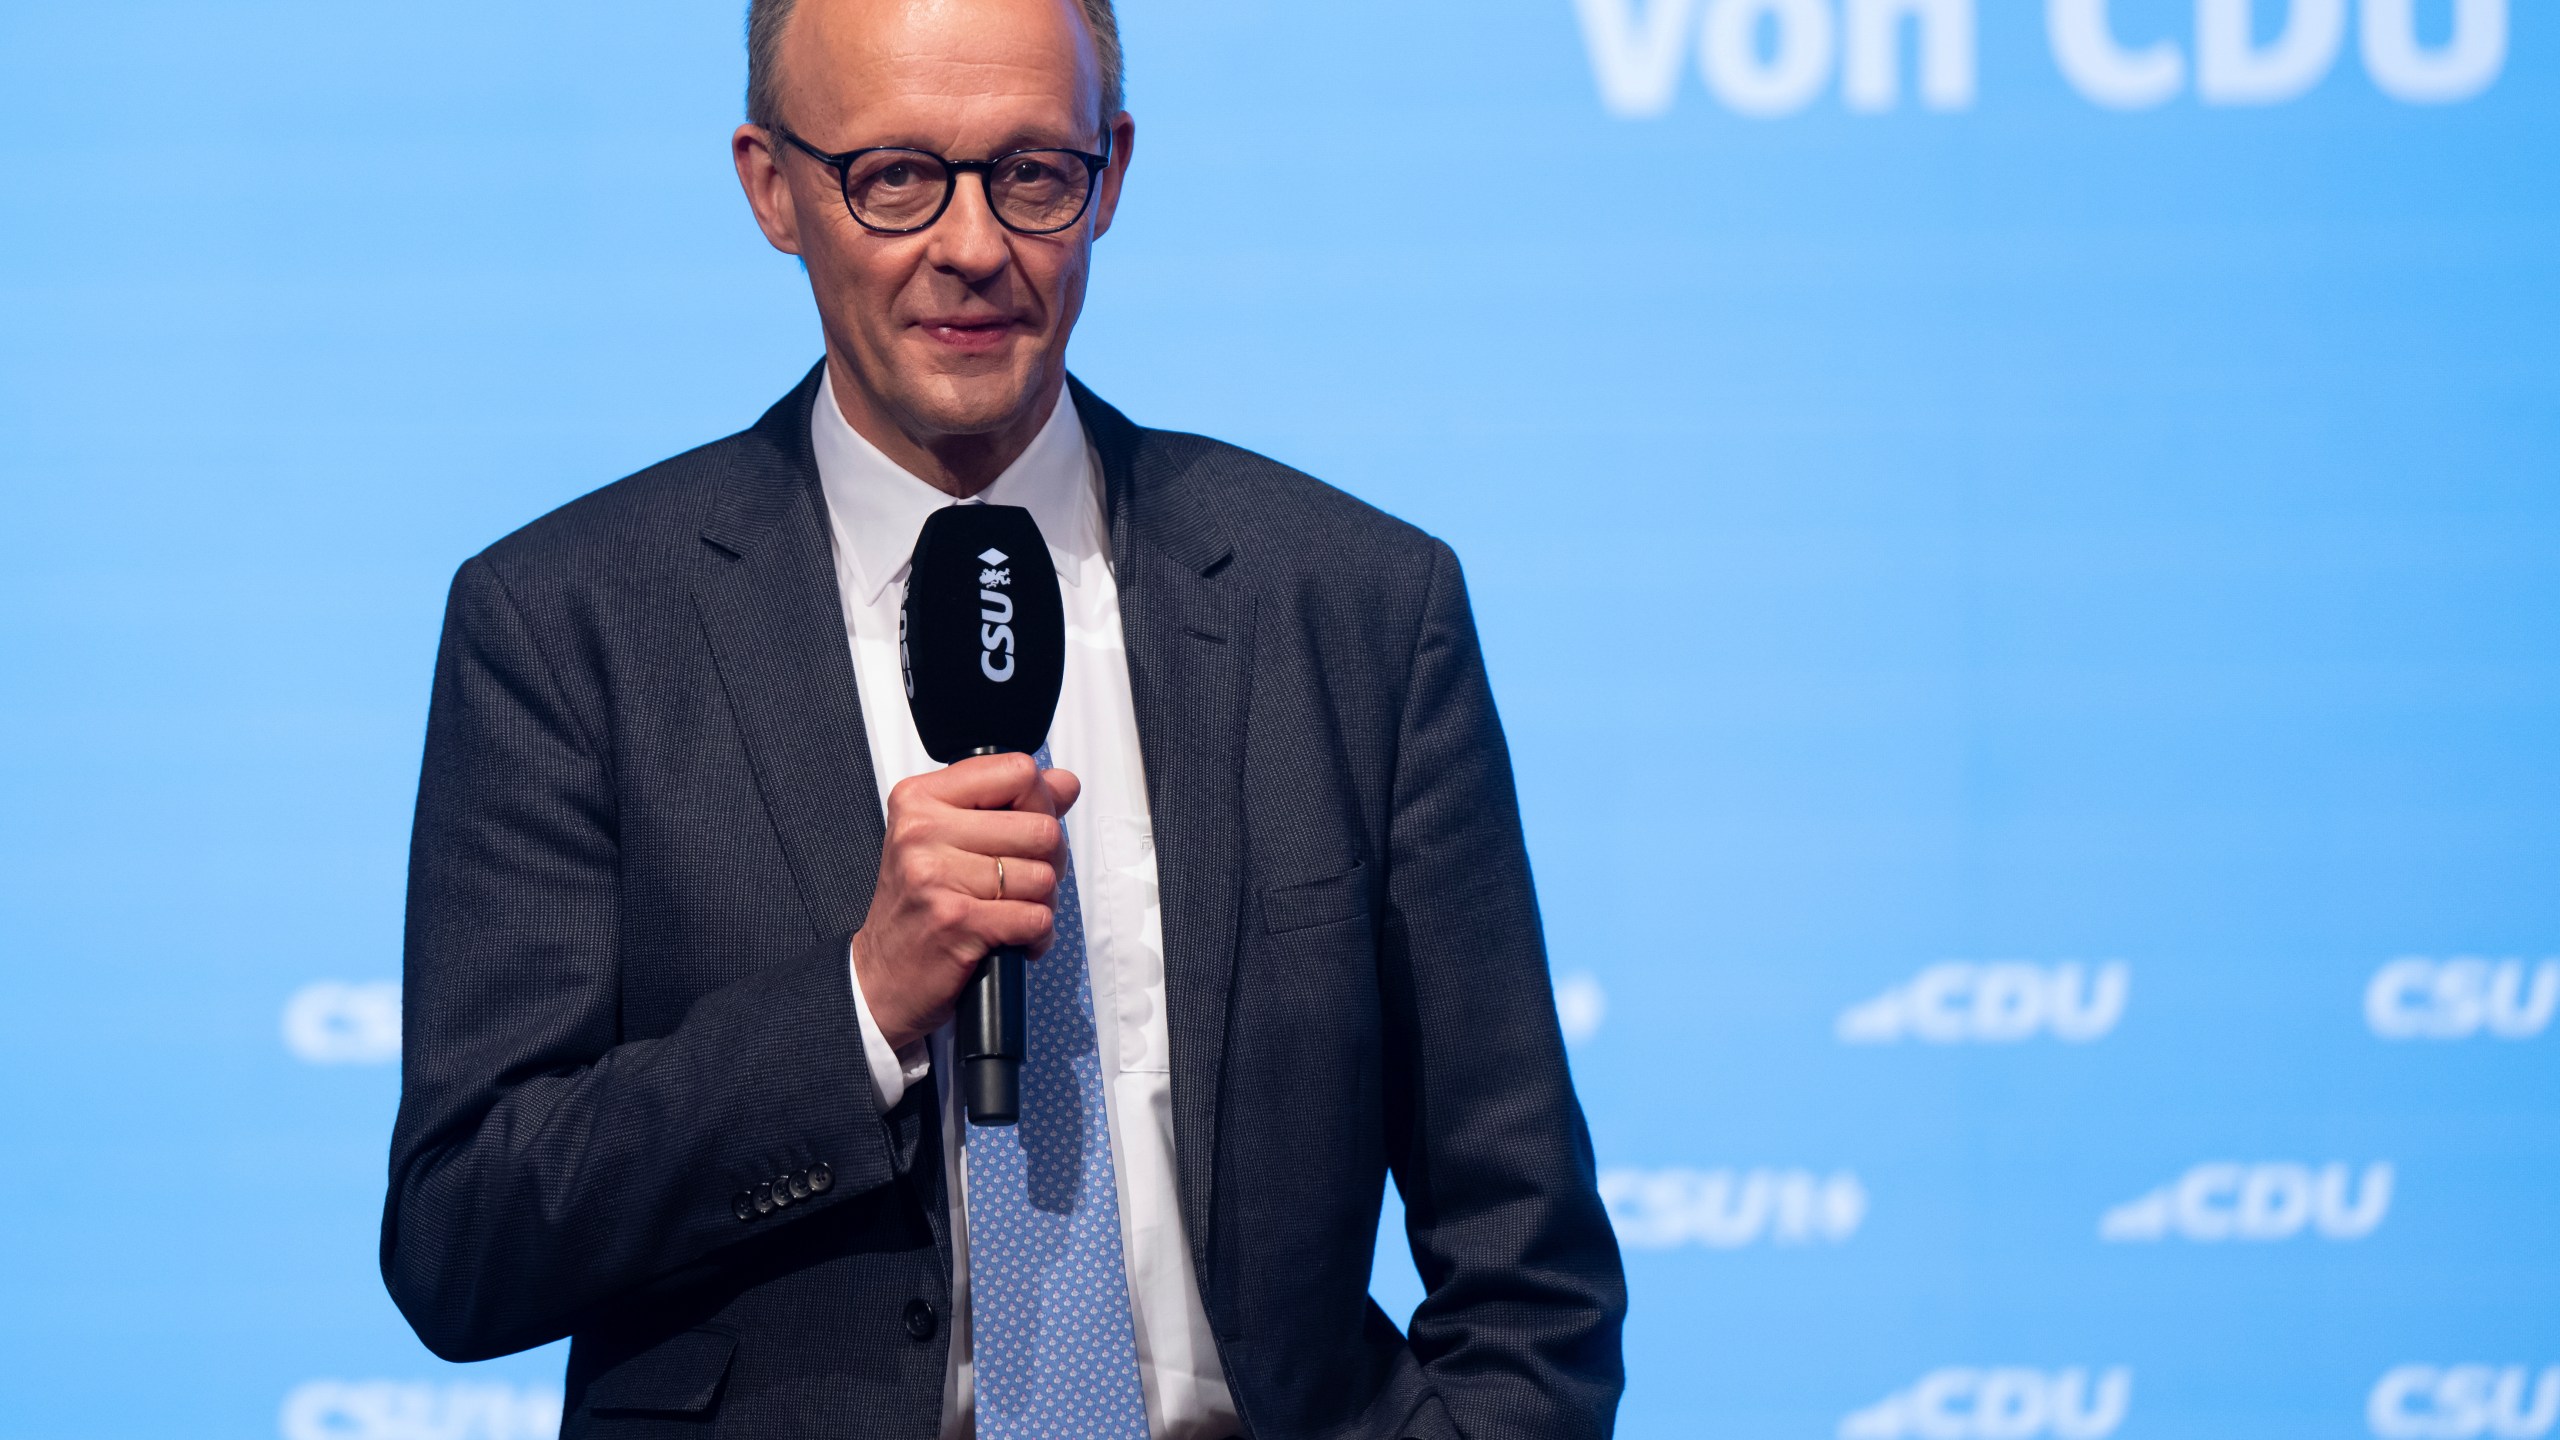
(744, 1206)
(820, 1177)
(764, 1198)
(781, 1191)
(799, 1186)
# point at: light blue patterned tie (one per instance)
(1057, 1356)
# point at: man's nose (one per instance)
(969, 240)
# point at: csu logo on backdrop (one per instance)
(1767, 58)
(2415, 998)
(2460, 1402)
(2002, 1002)
(1729, 1209)
(397, 1410)
(2278, 1200)
(334, 1022)
(1580, 1006)
(2009, 1402)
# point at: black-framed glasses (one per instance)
(893, 190)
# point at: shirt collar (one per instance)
(876, 507)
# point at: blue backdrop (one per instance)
(2019, 545)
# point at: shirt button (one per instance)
(744, 1205)
(919, 1318)
(820, 1177)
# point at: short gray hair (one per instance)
(766, 20)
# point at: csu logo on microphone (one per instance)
(2415, 998)
(2009, 1402)
(2223, 1200)
(2459, 1402)
(995, 615)
(1996, 1003)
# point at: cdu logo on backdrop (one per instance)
(1769, 58)
(1999, 1003)
(1730, 1209)
(2222, 1200)
(1580, 1006)
(2011, 1402)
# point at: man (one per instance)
(689, 906)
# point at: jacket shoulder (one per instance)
(645, 524)
(1284, 516)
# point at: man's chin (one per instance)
(972, 401)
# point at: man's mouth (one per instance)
(969, 332)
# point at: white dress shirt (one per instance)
(874, 511)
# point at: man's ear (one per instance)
(752, 149)
(1124, 143)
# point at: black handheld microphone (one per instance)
(983, 640)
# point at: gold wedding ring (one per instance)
(999, 877)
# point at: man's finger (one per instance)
(994, 832)
(1063, 787)
(1011, 922)
(981, 782)
(1025, 877)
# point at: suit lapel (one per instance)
(1190, 645)
(774, 620)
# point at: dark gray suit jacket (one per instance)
(635, 1108)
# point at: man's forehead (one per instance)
(961, 62)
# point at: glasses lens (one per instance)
(1040, 190)
(895, 189)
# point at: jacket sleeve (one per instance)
(1519, 1332)
(542, 1165)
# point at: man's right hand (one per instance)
(936, 912)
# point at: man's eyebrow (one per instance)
(1017, 141)
(1044, 140)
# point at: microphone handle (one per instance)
(993, 1022)
(993, 1025)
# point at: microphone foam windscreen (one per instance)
(983, 633)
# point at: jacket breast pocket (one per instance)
(1308, 903)
(677, 1377)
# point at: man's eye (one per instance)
(900, 173)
